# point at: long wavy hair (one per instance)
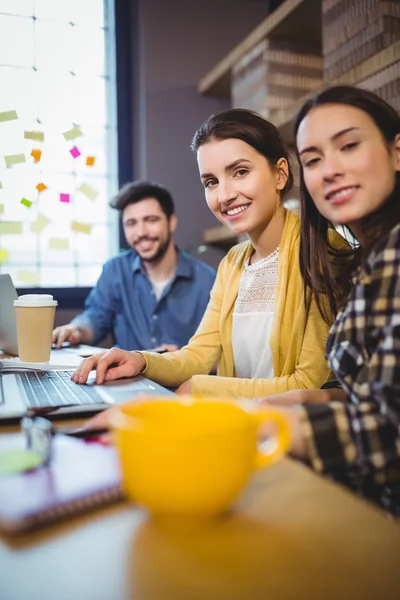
(326, 268)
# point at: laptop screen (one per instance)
(8, 329)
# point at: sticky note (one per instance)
(88, 191)
(37, 136)
(65, 198)
(10, 227)
(75, 152)
(18, 460)
(1, 209)
(28, 277)
(26, 202)
(81, 227)
(3, 255)
(40, 223)
(8, 115)
(14, 159)
(41, 187)
(90, 160)
(73, 133)
(36, 153)
(59, 243)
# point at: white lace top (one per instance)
(252, 318)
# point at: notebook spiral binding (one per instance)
(72, 508)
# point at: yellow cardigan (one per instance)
(297, 338)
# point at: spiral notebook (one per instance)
(80, 477)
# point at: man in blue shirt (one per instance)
(152, 296)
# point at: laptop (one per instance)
(51, 393)
(8, 329)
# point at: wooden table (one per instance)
(292, 535)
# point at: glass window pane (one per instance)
(53, 44)
(87, 274)
(55, 246)
(16, 41)
(88, 63)
(89, 247)
(67, 99)
(16, 86)
(93, 210)
(83, 12)
(23, 251)
(51, 276)
(55, 82)
(16, 270)
(24, 8)
(62, 47)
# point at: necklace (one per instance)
(265, 259)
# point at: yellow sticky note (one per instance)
(37, 136)
(1, 209)
(40, 223)
(73, 133)
(90, 160)
(28, 277)
(10, 227)
(3, 255)
(37, 154)
(59, 243)
(81, 227)
(8, 115)
(88, 191)
(14, 159)
(41, 187)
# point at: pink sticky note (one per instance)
(75, 152)
(64, 198)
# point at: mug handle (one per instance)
(282, 437)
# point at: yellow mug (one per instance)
(191, 457)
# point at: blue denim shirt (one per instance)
(124, 303)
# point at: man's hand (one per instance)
(66, 333)
(113, 364)
(184, 388)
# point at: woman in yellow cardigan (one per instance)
(266, 333)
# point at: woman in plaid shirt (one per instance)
(348, 143)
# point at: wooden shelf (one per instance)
(297, 20)
(284, 118)
(220, 236)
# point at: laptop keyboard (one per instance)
(55, 388)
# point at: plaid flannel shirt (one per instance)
(358, 442)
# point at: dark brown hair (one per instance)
(319, 257)
(250, 127)
(134, 192)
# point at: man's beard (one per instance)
(162, 249)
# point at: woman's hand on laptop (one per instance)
(113, 364)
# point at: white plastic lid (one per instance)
(35, 300)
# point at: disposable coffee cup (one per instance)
(35, 323)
